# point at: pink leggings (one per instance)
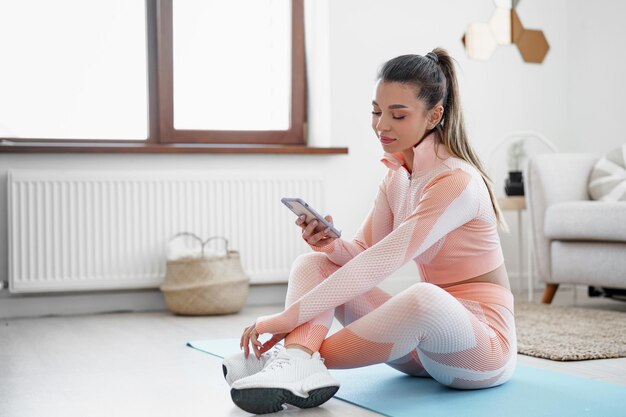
(463, 336)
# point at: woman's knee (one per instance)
(424, 300)
(313, 262)
(308, 259)
(422, 291)
(307, 271)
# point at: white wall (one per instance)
(596, 75)
(578, 85)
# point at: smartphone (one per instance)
(300, 207)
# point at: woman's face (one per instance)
(399, 119)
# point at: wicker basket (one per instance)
(205, 285)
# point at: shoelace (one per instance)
(275, 351)
(277, 363)
(271, 354)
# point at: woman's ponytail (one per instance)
(452, 127)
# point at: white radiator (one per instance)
(90, 230)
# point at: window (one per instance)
(78, 75)
(222, 67)
(153, 71)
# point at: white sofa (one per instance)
(576, 240)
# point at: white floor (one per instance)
(137, 364)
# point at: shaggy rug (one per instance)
(569, 333)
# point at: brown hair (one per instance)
(434, 77)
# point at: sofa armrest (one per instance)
(553, 178)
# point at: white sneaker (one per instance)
(303, 382)
(237, 366)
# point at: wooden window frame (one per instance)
(294, 135)
(162, 136)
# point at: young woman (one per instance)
(434, 206)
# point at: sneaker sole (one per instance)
(271, 400)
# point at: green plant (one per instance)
(515, 155)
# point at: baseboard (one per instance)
(41, 305)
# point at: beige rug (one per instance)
(569, 333)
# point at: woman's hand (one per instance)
(318, 239)
(250, 335)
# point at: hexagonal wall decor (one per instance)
(506, 4)
(506, 28)
(533, 46)
(479, 41)
(500, 25)
(516, 26)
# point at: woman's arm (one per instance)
(377, 225)
(449, 201)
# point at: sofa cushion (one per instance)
(589, 263)
(607, 181)
(586, 220)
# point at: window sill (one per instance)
(126, 147)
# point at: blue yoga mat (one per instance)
(530, 392)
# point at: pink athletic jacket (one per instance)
(440, 216)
